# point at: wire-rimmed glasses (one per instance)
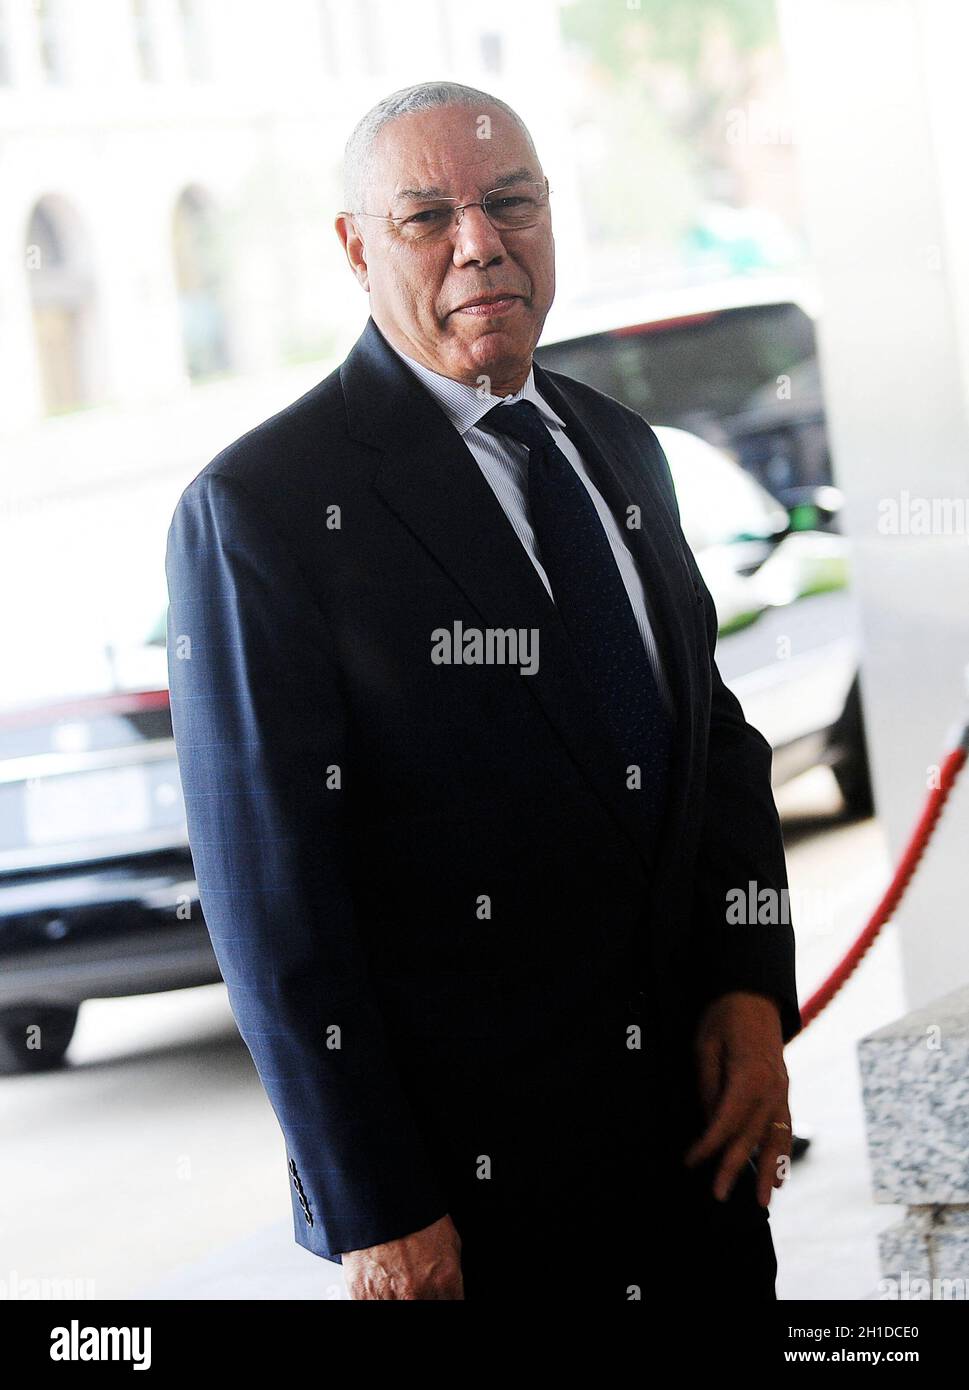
(509, 208)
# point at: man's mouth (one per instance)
(488, 305)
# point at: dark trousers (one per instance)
(669, 1243)
(583, 1191)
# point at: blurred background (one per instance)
(762, 224)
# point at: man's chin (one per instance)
(492, 348)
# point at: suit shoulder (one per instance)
(272, 454)
(602, 407)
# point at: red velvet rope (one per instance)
(916, 847)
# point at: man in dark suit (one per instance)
(466, 795)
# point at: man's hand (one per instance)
(743, 1087)
(424, 1265)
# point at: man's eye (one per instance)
(510, 204)
(429, 217)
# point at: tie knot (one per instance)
(521, 420)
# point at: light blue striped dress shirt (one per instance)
(504, 463)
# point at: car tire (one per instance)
(22, 1049)
(850, 758)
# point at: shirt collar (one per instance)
(462, 404)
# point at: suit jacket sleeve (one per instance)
(740, 843)
(259, 729)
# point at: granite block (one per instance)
(915, 1083)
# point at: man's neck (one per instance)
(508, 386)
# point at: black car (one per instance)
(97, 890)
(736, 364)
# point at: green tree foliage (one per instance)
(614, 33)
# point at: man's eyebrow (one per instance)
(432, 192)
(521, 175)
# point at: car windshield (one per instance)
(709, 366)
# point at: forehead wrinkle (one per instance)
(519, 175)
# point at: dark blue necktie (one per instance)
(592, 600)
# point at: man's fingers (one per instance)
(768, 1170)
(423, 1265)
(774, 1160)
(739, 1151)
(728, 1120)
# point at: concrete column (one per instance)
(881, 115)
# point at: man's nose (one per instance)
(476, 239)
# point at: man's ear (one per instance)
(353, 246)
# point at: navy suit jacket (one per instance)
(352, 805)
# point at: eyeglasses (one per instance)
(510, 208)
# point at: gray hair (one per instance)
(423, 96)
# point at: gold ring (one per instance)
(779, 1124)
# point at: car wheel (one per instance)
(850, 761)
(35, 1037)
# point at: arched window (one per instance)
(146, 48)
(57, 262)
(200, 277)
(52, 38)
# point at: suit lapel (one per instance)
(432, 482)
